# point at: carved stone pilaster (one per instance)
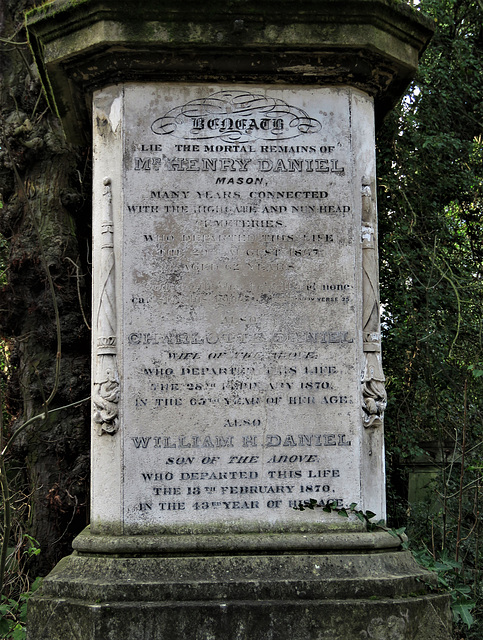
(106, 382)
(374, 397)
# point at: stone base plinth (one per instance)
(373, 593)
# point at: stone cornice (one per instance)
(81, 45)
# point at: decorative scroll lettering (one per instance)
(236, 117)
(374, 397)
(106, 382)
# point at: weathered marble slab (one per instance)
(228, 351)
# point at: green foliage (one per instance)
(450, 577)
(431, 235)
(344, 512)
(13, 614)
(431, 246)
(13, 605)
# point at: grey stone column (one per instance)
(237, 366)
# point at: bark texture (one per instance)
(44, 220)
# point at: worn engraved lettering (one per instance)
(241, 328)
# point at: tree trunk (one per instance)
(45, 220)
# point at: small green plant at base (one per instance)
(364, 516)
(13, 608)
(449, 577)
(344, 512)
(13, 614)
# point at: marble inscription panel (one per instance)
(240, 336)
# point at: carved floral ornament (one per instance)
(374, 397)
(105, 397)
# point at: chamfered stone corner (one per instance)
(373, 45)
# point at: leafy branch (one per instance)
(365, 517)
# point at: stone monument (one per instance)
(236, 365)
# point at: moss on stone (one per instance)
(288, 597)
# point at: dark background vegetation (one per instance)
(44, 260)
(430, 190)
